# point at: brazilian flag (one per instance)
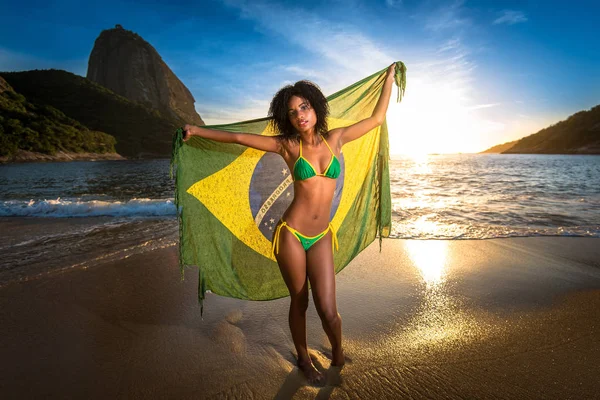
(230, 198)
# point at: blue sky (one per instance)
(479, 72)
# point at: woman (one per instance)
(304, 249)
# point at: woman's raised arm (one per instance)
(360, 128)
(259, 142)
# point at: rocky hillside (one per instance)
(4, 86)
(578, 134)
(35, 131)
(140, 131)
(128, 65)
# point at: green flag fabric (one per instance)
(229, 198)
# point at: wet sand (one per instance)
(500, 319)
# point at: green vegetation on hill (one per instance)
(139, 130)
(578, 134)
(44, 129)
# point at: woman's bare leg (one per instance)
(321, 273)
(292, 264)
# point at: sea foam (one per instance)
(90, 208)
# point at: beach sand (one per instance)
(511, 318)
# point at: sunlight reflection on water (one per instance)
(430, 259)
(440, 320)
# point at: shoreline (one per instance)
(23, 156)
(510, 318)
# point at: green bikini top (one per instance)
(304, 169)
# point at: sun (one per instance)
(435, 117)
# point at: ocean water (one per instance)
(128, 205)
(483, 196)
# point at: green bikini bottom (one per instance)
(306, 241)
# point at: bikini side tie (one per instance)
(334, 239)
(275, 249)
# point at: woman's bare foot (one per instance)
(313, 376)
(337, 357)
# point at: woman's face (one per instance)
(301, 114)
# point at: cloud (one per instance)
(447, 17)
(305, 73)
(215, 113)
(448, 65)
(479, 106)
(449, 45)
(510, 17)
(234, 105)
(331, 53)
(393, 3)
(347, 52)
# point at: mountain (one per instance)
(140, 131)
(578, 134)
(125, 63)
(34, 131)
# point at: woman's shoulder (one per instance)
(333, 138)
(334, 133)
(290, 146)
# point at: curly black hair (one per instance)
(278, 110)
